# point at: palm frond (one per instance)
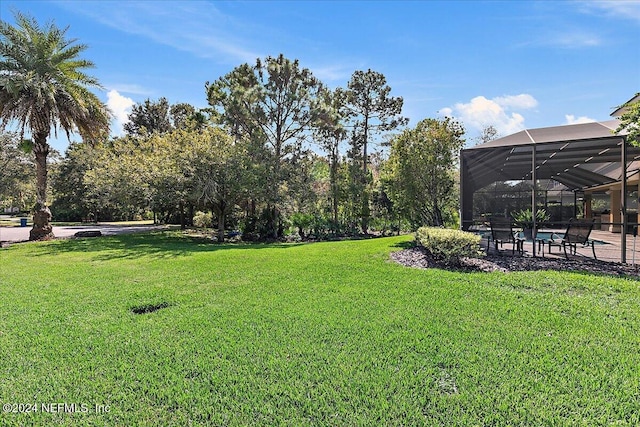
(43, 85)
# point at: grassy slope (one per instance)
(318, 334)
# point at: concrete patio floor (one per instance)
(608, 250)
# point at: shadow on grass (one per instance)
(158, 244)
(404, 245)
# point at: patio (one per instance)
(588, 159)
(607, 247)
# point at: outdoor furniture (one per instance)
(547, 238)
(502, 232)
(577, 234)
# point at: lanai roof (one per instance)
(579, 156)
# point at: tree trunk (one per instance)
(335, 212)
(191, 214)
(365, 213)
(182, 223)
(42, 229)
(334, 190)
(438, 216)
(365, 197)
(273, 199)
(221, 225)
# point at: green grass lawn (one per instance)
(316, 334)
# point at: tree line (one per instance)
(275, 149)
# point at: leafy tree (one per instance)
(488, 133)
(301, 221)
(17, 171)
(216, 169)
(166, 172)
(421, 171)
(118, 185)
(233, 98)
(149, 117)
(330, 133)
(181, 114)
(160, 176)
(383, 210)
(186, 116)
(306, 179)
(43, 86)
(354, 184)
(630, 122)
(152, 127)
(158, 117)
(371, 110)
(270, 103)
(70, 201)
(383, 213)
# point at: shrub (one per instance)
(302, 221)
(203, 220)
(448, 245)
(524, 217)
(269, 225)
(320, 226)
(266, 227)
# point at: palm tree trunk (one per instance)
(42, 229)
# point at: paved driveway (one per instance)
(21, 234)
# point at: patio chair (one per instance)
(577, 234)
(502, 232)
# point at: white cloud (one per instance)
(522, 101)
(120, 106)
(446, 112)
(186, 26)
(575, 39)
(566, 39)
(627, 9)
(130, 88)
(332, 72)
(501, 112)
(573, 120)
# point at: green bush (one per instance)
(301, 221)
(448, 245)
(203, 220)
(524, 217)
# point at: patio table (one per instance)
(547, 238)
(542, 238)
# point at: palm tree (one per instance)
(43, 88)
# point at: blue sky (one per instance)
(511, 64)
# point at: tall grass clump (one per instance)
(447, 245)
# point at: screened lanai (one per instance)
(589, 160)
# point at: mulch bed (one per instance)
(417, 257)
